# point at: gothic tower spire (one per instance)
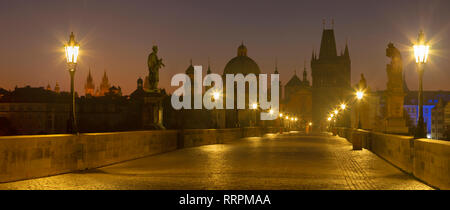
(209, 68)
(346, 53)
(328, 44)
(276, 66)
(89, 86)
(304, 72)
(104, 86)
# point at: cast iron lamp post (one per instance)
(72, 49)
(421, 50)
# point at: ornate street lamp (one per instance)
(72, 49)
(421, 50)
(359, 96)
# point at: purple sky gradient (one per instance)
(117, 36)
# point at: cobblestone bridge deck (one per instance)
(289, 161)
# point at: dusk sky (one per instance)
(117, 36)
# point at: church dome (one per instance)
(241, 63)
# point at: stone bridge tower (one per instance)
(331, 75)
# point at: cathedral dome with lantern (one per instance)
(241, 63)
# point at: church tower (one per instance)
(104, 86)
(89, 86)
(331, 74)
(57, 89)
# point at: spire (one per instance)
(104, 86)
(313, 55)
(346, 53)
(242, 50)
(328, 44)
(276, 66)
(57, 87)
(190, 69)
(89, 78)
(89, 86)
(48, 86)
(209, 68)
(304, 72)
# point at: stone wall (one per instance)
(25, 157)
(432, 162)
(398, 150)
(428, 160)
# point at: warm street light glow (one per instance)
(336, 112)
(359, 95)
(421, 49)
(281, 114)
(296, 119)
(72, 49)
(331, 115)
(343, 106)
(216, 95)
(310, 123)
(292, 119)
(329, 119)
(271, 111)
(254, 106)
(287, 117)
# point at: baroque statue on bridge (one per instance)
(394, 69)
(395, 95)
(154, 64)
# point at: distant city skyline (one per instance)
(118, 36)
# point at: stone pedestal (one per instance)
(396, 126)
(152, 111)
(394, 122)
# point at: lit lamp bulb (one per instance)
(331, 115)
(72, 49)
(359, 95)
(343, 106)
(281, 115)
(216, 95)
(421, 49)
(329, 119)
(254, 106)
(271, 111)
(310, 123)
(287, 117)
(336, 112)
